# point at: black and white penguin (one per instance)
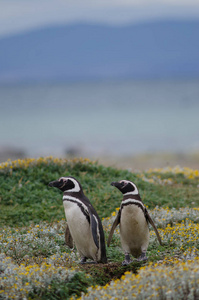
(133, 218)
(84, 224)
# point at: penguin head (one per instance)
(69, 184)
(126, 187)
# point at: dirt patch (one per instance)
(104, 273)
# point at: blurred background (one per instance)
(114, 80)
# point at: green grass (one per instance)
(25, 196)
(63, 290)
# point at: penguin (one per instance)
(133, 218)
(84, 224)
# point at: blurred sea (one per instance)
(101, 118)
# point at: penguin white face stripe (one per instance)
(76, 188)
(135, 192)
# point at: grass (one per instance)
(34, 260)
(25, 196)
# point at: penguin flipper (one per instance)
(68, 237)
(115, 223)
(94, 228)
(149, 219)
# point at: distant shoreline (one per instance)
(136, 162)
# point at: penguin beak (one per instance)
(55, 183)
(117, 185)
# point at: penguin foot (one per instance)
(127, 260)
(83, 260)
(90, 262)
(142, 257)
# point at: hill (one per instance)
(35, 262)
(92, 51)
(25, 195)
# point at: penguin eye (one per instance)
(62, 181)
(122, 183)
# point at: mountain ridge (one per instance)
(84, 51)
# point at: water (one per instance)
(112, 118)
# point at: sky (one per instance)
(23, 15)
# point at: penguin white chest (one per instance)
(134, 231)
(80, 230)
